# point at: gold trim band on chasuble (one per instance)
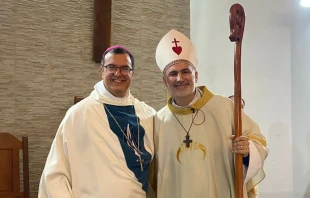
(207, 95)
(254, 190)
(258, 139)
(264, 143)
(193, 146)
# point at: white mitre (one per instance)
(174, 48)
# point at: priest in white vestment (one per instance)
(104, 144)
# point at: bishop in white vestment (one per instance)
(193, 140)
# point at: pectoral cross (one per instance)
(140, 160)
(187, 140)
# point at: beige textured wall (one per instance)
(45, 60)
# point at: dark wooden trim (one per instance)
(10, 147)
(25, 167)
(102, 28)
(77, 99)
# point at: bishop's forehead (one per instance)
(178, 67)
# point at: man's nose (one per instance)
(179, 77)
(118, 71)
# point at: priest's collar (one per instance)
(103, 91)
(196, 104)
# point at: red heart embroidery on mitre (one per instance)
(177, 50)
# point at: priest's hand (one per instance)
(240, 145)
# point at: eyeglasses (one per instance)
(125, 70)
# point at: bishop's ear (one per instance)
(196, 76)
(165, 81)
(102, 71)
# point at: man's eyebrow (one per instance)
(173, 71)
(118, 66)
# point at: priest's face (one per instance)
(180, 81)
(117, 73)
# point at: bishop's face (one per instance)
(117, 82)
(180, 80)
